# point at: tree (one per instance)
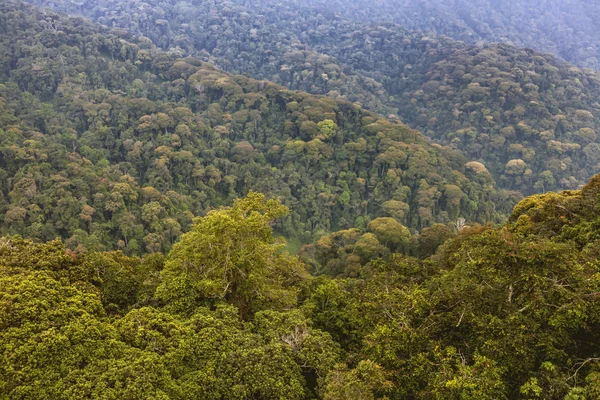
(48, 331)
(327, 128)
(391, 233)
(366, 382)
(231, 255)
(482, 380)
(431, 238)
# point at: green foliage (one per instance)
(431, 238)
(456, 380)
(495, 313)
(111, 144)
(391, 233)
(49, 330)
(361, 383)
(314, 350)
(530, 118)
(231, 255)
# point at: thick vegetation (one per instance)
(407, 284)
(530, 119)
(495, 313)
(110, 144)
(566, 28)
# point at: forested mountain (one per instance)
(529, 118)
(566, 28)
(114, 144)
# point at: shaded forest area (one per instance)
(566, 28)
(529, 118)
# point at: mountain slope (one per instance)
(565, 28)
(529, 118)
(114, 144)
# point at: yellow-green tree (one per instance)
(231, 255)
(391, 233)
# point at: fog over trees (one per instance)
(566, 28)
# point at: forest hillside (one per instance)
(111, 144)
(531, 119)
(566, 28)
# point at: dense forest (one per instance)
(529, 118)
(267, 200)
(111, 144)
(497, 313)
(566, 28)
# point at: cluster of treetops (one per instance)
(495, 313)
(531, 119)
(112, 144)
